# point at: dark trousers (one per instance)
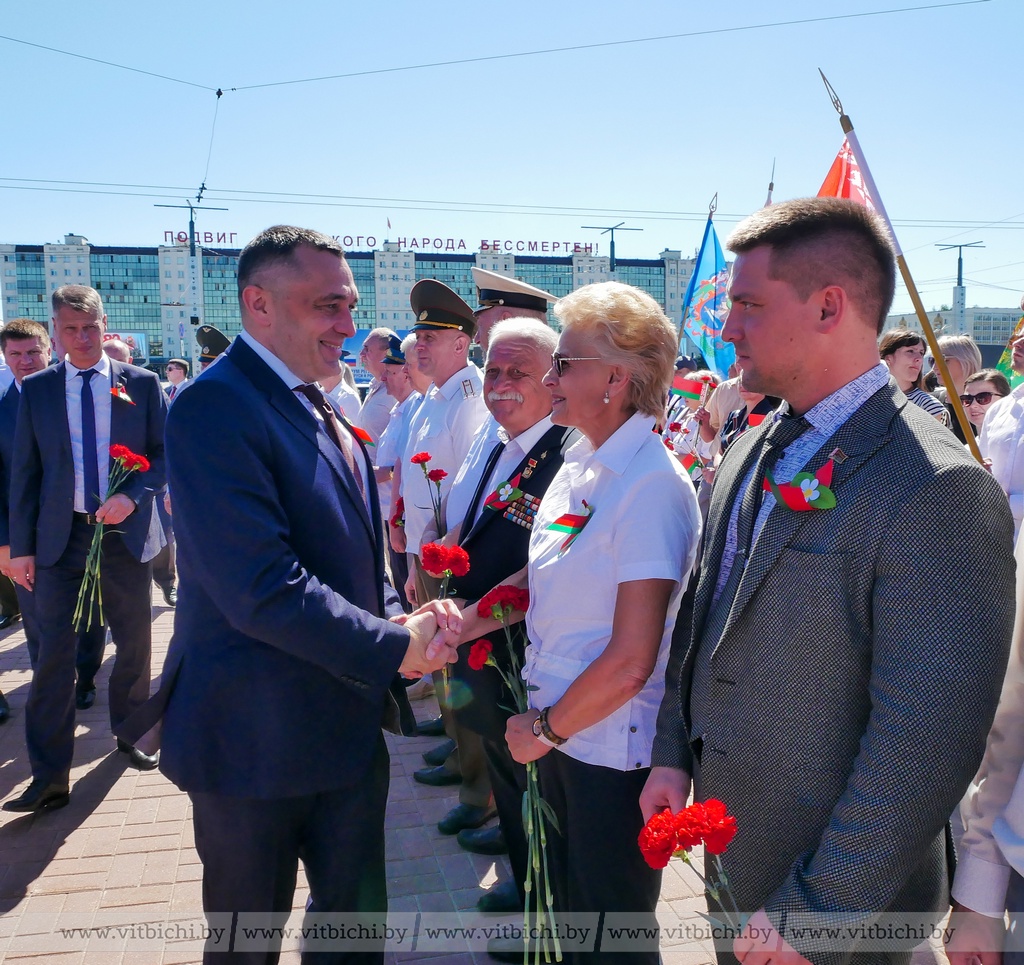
(88, 653)
(1013, 952)
(250, 851)
(595, 864)
(8, 597)
(50, 709)
(508, 782)
(164, 573)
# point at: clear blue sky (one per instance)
(644, 133)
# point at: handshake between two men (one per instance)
(435, 628)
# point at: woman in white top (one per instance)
(612, 546)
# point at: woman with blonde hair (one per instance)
(611, 549)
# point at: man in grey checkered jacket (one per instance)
(845, 656)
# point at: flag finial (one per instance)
(713, 207)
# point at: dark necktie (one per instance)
(90, 461)
(785, 430)
(172, 393)
(338, 434)
(492, 461)
(781, 434)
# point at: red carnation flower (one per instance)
(675, 426)
(479, 654)
(504, 597)
(420, 458)
(669, 445)
(457, 561)
(719, 827)
(658, 839)
(118, 451)
(436, 475)
(432, 558)
(135, 461)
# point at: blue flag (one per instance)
(705, 304)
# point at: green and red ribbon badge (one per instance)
(118, 391)
(506, 494)
(572, 523)
(362, 435)
(806, 491)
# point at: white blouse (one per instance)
(644, 525)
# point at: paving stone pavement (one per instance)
(122, 851)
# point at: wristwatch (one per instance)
(543, 732)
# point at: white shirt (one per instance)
(469, 473)
(175, 390)
(445, 426)
(644, 525)
(347, 399)
(515, 451)
(101, 385)
(992, 811)
(1002, 441)
(389, 446)
(375, 411)
(291, 380)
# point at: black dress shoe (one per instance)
(490, 841)
(9, 619)
(436, 756)
(136, 759)
(436, 777)
(502, 899)
(464, 816)
(85, 697)
(430, 728)
(40, 796)
(170, 595)
(5, 709)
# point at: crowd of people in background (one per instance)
(731, 585)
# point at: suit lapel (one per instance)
(857, 440)
(549, 445)
(56, 400)
(288, 406)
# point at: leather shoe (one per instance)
(5, 709)
(502, 899)
(85, 697)
(430, 728)
(436, 777)
(40, 796)
(436, 756)
(489, 841)
(170, 595)
(136, 758)
(464, 816)
(9, 619)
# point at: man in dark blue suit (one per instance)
(284, 664)
(26, 349)
(69, 416)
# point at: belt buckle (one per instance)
(91, 519)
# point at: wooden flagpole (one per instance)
(922, 315)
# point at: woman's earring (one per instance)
(606, 399)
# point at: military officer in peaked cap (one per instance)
(212, 342)
(444, 427)
(502, 297)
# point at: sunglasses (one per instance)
(558, 361)
(982, 398)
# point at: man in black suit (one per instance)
(496, 534)
(284, 662)
(70, 415)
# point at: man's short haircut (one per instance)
(120, 346)
(817, 242)
(277, 245)
(379, 334)
(19, 329)
(525, 328)
(79, 298)
(178, 363)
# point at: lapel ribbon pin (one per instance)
(506, 493)
(573, 524)
(118, 391)
(806, 491)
